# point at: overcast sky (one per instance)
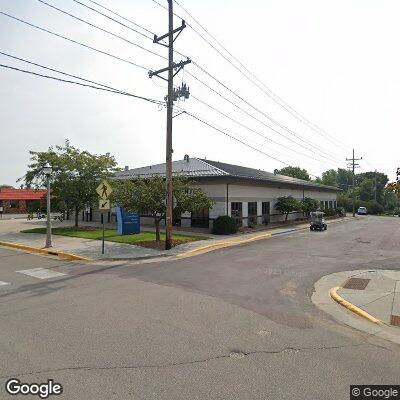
(335, 62)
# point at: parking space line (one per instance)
(4, 283)
(41, 273)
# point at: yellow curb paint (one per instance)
(220, 245)
(351, 307)
(68, 256)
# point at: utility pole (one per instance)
(375, 186)
(354, 165)
(173, 94)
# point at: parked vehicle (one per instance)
(40, 215)
(362, 211)
(317, 221)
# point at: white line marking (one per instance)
(4, 283)
(41, 273)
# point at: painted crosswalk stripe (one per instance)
(4, 283)
(41, 273)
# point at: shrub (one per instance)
(373, 207)
(330, 212)
(224, 225)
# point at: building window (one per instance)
(14, 203)
(265, 211)
(236, 212)
(200, 218)
(321, 205)
(330, 204)
(326, 204)
(252, 212)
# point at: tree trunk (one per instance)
(157, 224)
(76, 217)
(287, 214)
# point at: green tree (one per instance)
(6, 187)
(147, 196)
(295, 172)
(365, 190)
(287, 204)
(309, 205)
(330, 178)
(76, 174)
(381, 180)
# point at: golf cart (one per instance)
(317, 221)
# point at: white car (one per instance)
(362, 211)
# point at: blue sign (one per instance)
(127, 222)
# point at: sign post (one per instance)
(103, 190)
(102, 239)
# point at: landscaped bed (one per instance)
(144, 239)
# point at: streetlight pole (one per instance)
(47, 171)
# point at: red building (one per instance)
(19, 201)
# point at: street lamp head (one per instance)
(47, 170)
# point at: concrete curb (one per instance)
(351, 307)
(48, 252)
(220, 245)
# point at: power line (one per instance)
(252, 116)
(116, 91)
(115, 20)
(202, 69)
(119, 58)
(122, 17)
(73, 41)
(59, 72)
(254, 131)
(233, 137)
(260, 111)
(271, 94)
(102, 29)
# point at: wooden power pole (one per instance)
(173, 94)
(354, 165)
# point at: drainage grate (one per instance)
(356, 283)
(395, 320)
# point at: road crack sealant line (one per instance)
(351, 307)
(181, 363)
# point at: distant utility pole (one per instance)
(354, 165)
(375, 186)
(173, 94)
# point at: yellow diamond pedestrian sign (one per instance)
(104, 190)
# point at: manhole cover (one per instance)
(395, 320)
(356, 283)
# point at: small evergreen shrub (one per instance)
(224, 225)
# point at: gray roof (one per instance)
(201, 168)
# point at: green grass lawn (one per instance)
(111, 235)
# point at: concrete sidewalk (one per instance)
(368, 300)
(377, 293)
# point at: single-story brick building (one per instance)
(19, 201)
(246, 194)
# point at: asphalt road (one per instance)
(236, 323)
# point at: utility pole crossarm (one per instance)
(175, 66)
(157, 39)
